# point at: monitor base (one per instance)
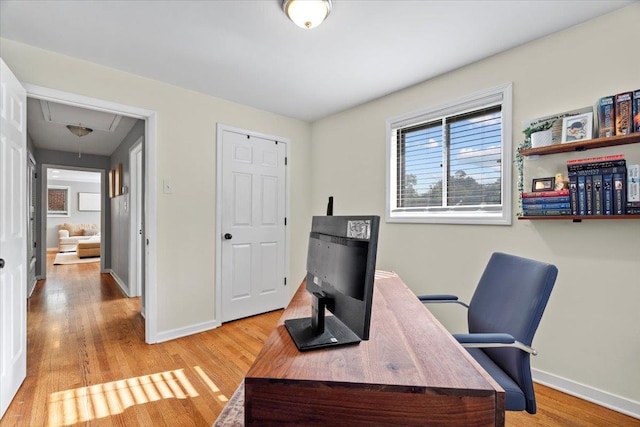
(305, 337)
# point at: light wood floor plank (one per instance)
(88, 364)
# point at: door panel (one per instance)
(253, 214)
(13, 236)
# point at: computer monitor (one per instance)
(341, 264)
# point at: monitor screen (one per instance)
(341, 264)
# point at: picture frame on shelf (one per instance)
(543, 184)
(577, 128)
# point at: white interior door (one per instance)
(253, 225)
(13, 236)
(135, 251)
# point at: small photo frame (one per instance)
(543, 184)
(577, 128)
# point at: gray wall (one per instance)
(120, 207)
(75, 216)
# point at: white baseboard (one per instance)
(188, 330)
(588, 393)
(124, 288)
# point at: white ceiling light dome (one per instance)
(307, 13)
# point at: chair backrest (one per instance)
(510, 298)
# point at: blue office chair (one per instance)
(503, 316)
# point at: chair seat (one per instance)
(514, 397)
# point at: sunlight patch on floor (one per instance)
(214, 388)
(102, 400)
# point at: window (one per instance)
(452, 163)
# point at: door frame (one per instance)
(220, 129)
(44, 218)
(150, 181)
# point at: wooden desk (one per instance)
(411, 372)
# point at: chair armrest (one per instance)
(63, 234)
(492, 340)
(440, 299)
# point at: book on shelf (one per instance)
(619, 193)
(573, 196)
(596, 189)
(606, 113)
(588, 194)
(582, 201)
(543, 200)
(633, 208)
(550, 193)
(607, 194)
(633, 183)
(611, 158)
(547, 212)
(546, 206)
(624, 113)
(636, 110)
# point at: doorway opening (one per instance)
(147, 119)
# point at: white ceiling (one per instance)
(248, 52)
(46, 124)
(71, 175)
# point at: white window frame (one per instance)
(499, 95)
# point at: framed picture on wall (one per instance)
(89, 202)
(118, 180)
(112, 184)
(57, 200)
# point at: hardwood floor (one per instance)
(88, 364)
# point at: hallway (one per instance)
(88, 364)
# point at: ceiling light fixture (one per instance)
(307, 13)
(79, 131)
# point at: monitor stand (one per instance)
(319, 331)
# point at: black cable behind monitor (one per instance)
(330, 206)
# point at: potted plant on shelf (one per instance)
(539, 135)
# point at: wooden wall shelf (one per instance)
(633, 138)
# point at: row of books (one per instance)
(597, 186)
(603, 186)
(618, 114)
(541, 203)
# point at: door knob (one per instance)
(1, 263)
(227, 236)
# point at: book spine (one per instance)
(619, 194)
(606, 117)
(582, 201)
(624, 113)
(547, 212)
(546, 206)
(573, 198)
(611, 158)
(552, 193)
(599, 171)
(597, 194)
(607, 194)
(588, 193)
(636, 110)
(633, 183)
(581, 168)
(542, 200)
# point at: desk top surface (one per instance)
(407, 347)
